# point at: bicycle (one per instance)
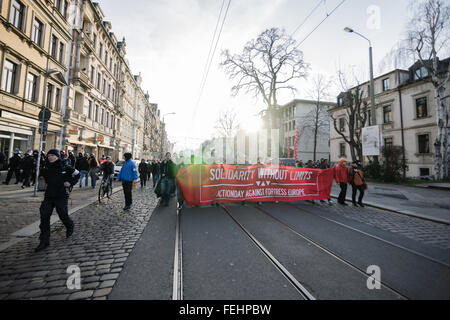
(105, 189)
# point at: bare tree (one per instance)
(316, 120)
(227, 124)
(267, 64)
(356, 115)
(428, 36)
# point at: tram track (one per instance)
(331, 253)
(367, 234)
(305, 294)
(177, 291)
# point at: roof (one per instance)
(305, 101)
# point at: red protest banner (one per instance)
(215, 183)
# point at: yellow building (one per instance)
(34, 39)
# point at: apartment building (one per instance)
(34, 41)
(304, 115)
(406, 113)
(63, 55)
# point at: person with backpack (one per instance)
(58, 177)
(341, 176)
(128, 174)
(356, 179)
(168, 173)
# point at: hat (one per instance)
(53, 152)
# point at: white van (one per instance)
(118, 165)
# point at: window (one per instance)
(96, 113)
(110, 64)
(64, 13)
(89, 114)
(9, 77)
(58, 99)
(341, 124)
(421, 107)
(424, 143)
(30, 89)
(99, 80)
(388, 142)
(340, 101)
(106, 58)
(95, 41)
(54, 46)
(424, 171)
(341, 149)
(386, 84)
(61, 53)
(37, 32)
(387, 114)
(17, 12)
(58, 4)
(101, 116)
(107, 119)
(420, 73)
(92, 74)
(109, 91)
(101, 50)
(104, 86)
(114, 95)
(49, 95)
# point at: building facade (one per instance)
(405, 112)
(305, 116)
(62, 55)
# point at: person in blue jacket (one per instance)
(127, 175)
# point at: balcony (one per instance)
(81, 79)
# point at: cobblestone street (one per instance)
(103, 238)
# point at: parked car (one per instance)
(118, 165)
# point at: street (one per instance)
(272, 251)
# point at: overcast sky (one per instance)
(168, 42)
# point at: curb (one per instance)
(395, 210)
(33, 228)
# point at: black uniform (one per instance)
(27, 166)
(56, 196)
(14, 167)
(143, 172)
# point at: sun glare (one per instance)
(252, 124)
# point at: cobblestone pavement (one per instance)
(429, 232)
(103, 238)
(19, 208)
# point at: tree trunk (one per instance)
(439, 136)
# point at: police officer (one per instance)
(57, 178)
(14, 167)
(27, 167)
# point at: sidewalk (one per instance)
(424, 202)
(19, 214)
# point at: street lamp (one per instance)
(162, 135)
(372, 88)
(36, 181)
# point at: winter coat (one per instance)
(169, 169)
(28, 164)
(55, 174)
(15, 162)
(143, 168)
(82, 164)
(107, 168)
(341, 174)
(128, 172)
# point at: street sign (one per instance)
(45, 114)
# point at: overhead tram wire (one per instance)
(307, 17)
(211, 58)
(212, 43)
(315, 28)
